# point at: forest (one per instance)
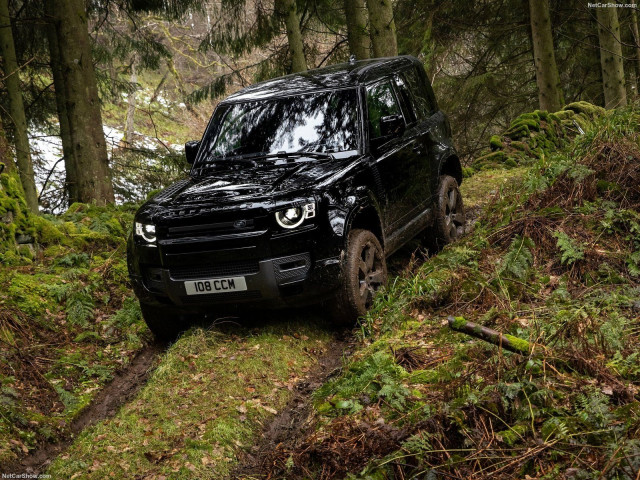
(512, 353)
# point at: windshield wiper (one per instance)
(300, 154)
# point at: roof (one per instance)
(334, 76)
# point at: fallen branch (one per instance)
(506, 341)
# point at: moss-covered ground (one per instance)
(553, 261)
(68, 319)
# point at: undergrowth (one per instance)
(68, 320)
(554, 261)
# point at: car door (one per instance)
(417, 133)
(393, 154)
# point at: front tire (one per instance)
(364, 272)
(449, 219)
(164, 322)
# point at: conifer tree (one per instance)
(357, 33)
(93, 180)
(16, 108)
(615, 94)
(547, 78)
(382, 28)
(288, 11)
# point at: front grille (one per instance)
(211, 271)
(222, 297)
(216, 228)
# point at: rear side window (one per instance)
(423, 101)
(408, 101)
(381, 102)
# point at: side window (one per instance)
(423, 103)
(408, 101)
(381, 102)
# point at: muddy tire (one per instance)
(449, 221)
(364, 272)
(164, 322)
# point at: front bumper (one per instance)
(286, 281)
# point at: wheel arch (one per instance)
(451, 166)
(366, 217)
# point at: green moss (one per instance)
(458, 323)
(495, 142)
(587, 108)
(497, 157)
(510, 162)
(518, 343)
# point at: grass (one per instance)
(205, 404)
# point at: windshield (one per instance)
(323, 122)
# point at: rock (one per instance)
(22, 239)
(7, 217)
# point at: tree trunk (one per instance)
(82, 102)
(70, 162)
(357, 34)
(636, 40)
(5, 152)
(615, 94)
(287, 9)
(547, 78)
(16, 108)
(382, 28)
(129, 131)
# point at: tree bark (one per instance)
(70, 161)
(357, 34)
(5, 152)
(636, 40)
(129, 130)
(615, 94)
(82, 102)
(16, 109)
(287, 9)
(382, 28)
(547, 78)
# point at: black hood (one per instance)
(238, 183)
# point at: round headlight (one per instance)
(290, 218)
(146, 231)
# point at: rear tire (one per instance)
(364, 271)
(449, 221)
(164, 322)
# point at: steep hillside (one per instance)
(554, 265)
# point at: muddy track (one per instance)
(294, 421)
(125, 384)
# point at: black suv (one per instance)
(299, 189)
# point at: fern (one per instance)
(73, 260)
(518, 259)
(633, 264)
(570, 250)
(80, 306)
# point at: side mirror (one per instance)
(191, 150)
(391, 125)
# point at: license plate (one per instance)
(215, 285)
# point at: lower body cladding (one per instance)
(288, 281)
